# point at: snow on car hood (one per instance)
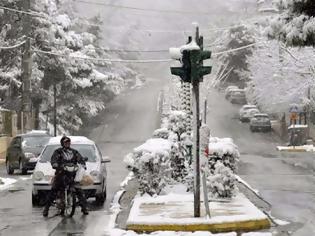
(47, 169)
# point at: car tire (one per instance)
(9, 168)
(23, 170)
(252, 129)
(100, 198)
(35, 200)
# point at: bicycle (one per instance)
(66, 200)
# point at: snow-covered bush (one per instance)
(221, 181)
(151, 165)
(177, 123)
(161, 133)
(221, 168)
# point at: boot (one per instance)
(45, 212)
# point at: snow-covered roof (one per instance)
(261, 115)
(249, 106)
(34, 131)
(74, 140)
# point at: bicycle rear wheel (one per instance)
(70, 203)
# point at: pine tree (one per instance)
(296, 25)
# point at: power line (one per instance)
(143, 9)
(234, 49)
(105, 59)
(12, 47)
(23, 12)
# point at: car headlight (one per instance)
(38, 175)
(95, 175)
(29, 155)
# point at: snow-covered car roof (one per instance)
(74, 140)
(251, 110)
(261, 115)
(249, 106)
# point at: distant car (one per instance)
(246, 107)
(24, 150)
(228, 91)
(237, 96)
(95, 164)
(260, 122)
(247, 114)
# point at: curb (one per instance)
(213, 228)
(293, 150)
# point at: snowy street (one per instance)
(104, 70)
(289, 189)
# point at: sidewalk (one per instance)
(174, 212)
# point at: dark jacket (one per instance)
(62, 156)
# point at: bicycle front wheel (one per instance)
(70, 203)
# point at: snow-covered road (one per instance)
(290, 189)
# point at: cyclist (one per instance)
(61, 156)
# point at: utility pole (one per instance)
(55, 109)
(26, 104)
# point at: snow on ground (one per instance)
(239, 179)
(307, 148)
(257, 234)
(175, 208)
(6, 182)
(118, 232)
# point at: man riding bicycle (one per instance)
(60, 157)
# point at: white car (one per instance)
(228, 90)
(248, 112)
(96, 168)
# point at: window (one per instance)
(86, 150)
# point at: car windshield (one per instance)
(86, 150)
(249, 107)
(262, 118)
(35, 141)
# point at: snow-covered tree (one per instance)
(64, 56)
(296, 25)
(233, 63)
(279, 76)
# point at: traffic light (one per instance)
(184, 72)
(199, 69)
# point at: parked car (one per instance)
(247, 114)
(24, 150)
(246, 107)
(237, 96)
(228, 91)
(95, 164)
(260, 122)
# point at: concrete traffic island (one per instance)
(304, 148)
(174, 212)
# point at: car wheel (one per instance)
(35, 200)
(22, 169)
(9, 168)
(100, 198)
(252, 129)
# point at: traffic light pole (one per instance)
(196, 133)
(192, 71)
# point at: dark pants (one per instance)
(59, 184)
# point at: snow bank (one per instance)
(155, 146)
(6, 182)
(119, 232)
